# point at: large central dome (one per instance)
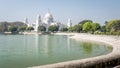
(48, 18)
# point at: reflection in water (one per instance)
(87, 47)
(41, 44)
(46, 39)
(25, 44)
(21, 51)
(68, 43)
(36, 43)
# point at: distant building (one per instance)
(47, 21)
(48, 18)
(69, 24)
(26, 22)
(38, 23)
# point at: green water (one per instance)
(21, 51)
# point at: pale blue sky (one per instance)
(78, 10)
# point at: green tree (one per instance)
(95, 26)
(12, 29)
(64, 29)
(103, 28)
(78, 27)
(53, 28)
(87, 26)
(41, 28)
(113, 25)
(3, 26)
(84, 21)
(22, 28)
(29, 28)
(71, 29)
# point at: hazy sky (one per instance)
(77, 10)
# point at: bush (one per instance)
(42, 28)
(64, 29)
(29, 28)
(53, 28)
(97, 32)
(71, 29)
(22, 28)
(12, 29)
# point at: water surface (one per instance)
(21, 51)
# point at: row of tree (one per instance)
(83, 26)
(16, 29)
(4, 25)
(110, 27)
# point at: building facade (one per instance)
(47, 21)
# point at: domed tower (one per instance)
(69, 24)
(48, 18)
(25, 21)
(38, 23)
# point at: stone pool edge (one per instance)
(110, 60)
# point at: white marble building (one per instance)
(48, 18)
(69, 24)
(47, 21)
(38, 23)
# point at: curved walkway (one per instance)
(105, 61)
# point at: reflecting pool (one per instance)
(22, 51)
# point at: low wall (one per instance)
(104, 61)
